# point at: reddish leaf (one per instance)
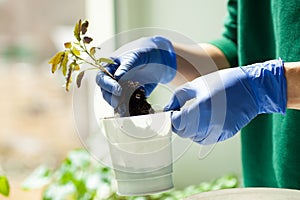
(84, 27)
(87, 40)
(69, 76)
(79, 78)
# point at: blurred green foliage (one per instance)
(81, 177)
(18, 53)
(4, 186)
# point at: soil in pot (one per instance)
(135, 100)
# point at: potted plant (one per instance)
(139, 141)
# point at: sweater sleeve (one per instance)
(228, 42)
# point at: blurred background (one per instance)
(36, 119)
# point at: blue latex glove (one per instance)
(227, 100)
(149, 61)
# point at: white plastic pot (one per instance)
(141, 153)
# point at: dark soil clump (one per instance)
(134, 99)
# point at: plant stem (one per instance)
(95, 60)
(93, 64)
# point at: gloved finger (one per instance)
(112, 68)
(173, 104)
(130, 70)
(114, 102)
(126, 64)
(226, 135)
(183, 124)
(108, 84)
(192, 121)
(109, 98)
(122, 110)
(149, 88)
(176, 118)
(179, 98)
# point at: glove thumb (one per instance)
(179, 98)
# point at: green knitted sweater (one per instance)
(256, 31)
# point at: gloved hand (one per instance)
(225, 101)
(149, 61)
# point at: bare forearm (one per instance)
(196, 60)
(292, 74)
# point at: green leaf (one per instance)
(55, 60)
(93, 50)
(87, 40)
(58, 191)
(38, 179)
(79, 158)
(79, 78)
(64, 63)
(204, 187)
(106, 60)
(77, 29)
(65, 174)
(76, 67)
(84, 27)
(190, 190)
(75, 51)
(4, 186)
(228, 181)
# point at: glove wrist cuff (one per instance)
(268, 83)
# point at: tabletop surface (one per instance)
(248, 194)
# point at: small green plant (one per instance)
(77, 53)
(81, 177)
(4, 186)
